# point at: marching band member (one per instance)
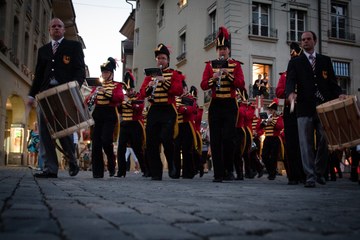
(312, 75)
(253, 166)
(107, 97)
(294, 168)
(132, 129)
(59, 61)
(186, 139)
(161, 126)
(257, 132)
(240, 137)
(223, 81)
(199, 162)
(272, 143)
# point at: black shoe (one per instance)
(240, 176)
(217, 180)
(156, 178)
(229, 177)
(260, 173)
(173, 175)
(271, 177)
(201, 172)
(250, 175)
(73, 169)
(321, 180)
(121, 174)
(293, 182)
(111, 173)
(309, 184)
(45, 175)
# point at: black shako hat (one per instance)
(222, 38)
(109, 65)
(274, 104)
(161, 48)
(129, 81)
(295, 49)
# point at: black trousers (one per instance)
(131, 132)
(270, 154)
(184, 145)
(293, 163)
(105, 118)
(222, 120)
(160, 130)
(238, 161)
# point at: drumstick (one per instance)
(292, 105)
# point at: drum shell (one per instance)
(341, 122)
(64, 110)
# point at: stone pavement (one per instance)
(137, 208)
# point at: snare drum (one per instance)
(64, 110)
(341, 122)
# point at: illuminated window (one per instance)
(182, 3)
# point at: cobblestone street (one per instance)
(137, 208)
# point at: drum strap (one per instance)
(58, 147)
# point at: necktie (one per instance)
(313, 61)
(55, 46)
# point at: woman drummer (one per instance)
(107, 97)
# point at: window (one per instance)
(136, 37)
(211, 26)
(182, 3)
(161, 15)
(261, 19)
(262, 71)
(340, 22)
(2, 19)
(297, 24)
(212, 16)
(26, 49)
(341, 69)
(342, 73)
(14, 42)
(182, 48)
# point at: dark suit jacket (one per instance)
(66, 65)
(301, 77)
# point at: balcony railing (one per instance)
(264, 31)
(210, 38)
(181, 57)
(270, 93)
(3, 48)
(343, 35)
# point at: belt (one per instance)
(53, 82)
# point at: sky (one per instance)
(98, 23)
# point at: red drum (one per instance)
(341, 121)
(64, 110)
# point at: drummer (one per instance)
(313, 76)
(59, 61)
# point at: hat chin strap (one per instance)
(110, 77)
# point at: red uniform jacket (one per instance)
(229, 83)
(166, 91)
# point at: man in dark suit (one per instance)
(310, 82)
(59, 61)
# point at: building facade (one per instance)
(261, 32)
(23, 30)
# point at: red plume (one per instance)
(223, 32)
(276, 100)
